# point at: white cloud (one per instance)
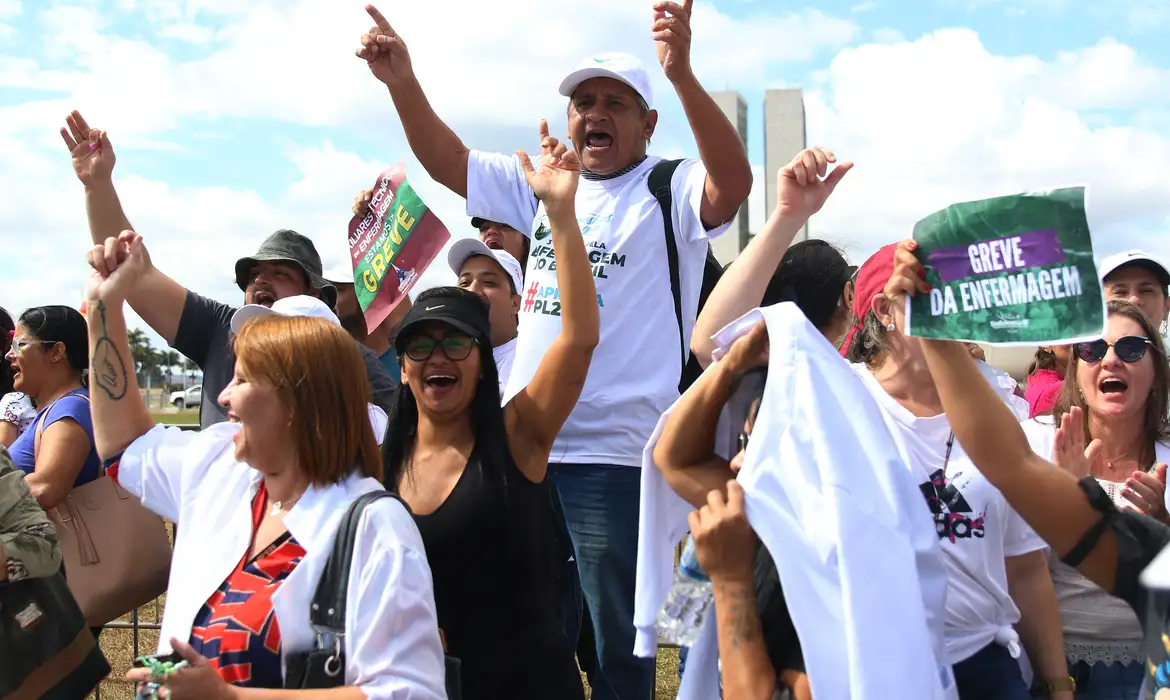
(929, 122)
(10, 8)
(941, 120)
(887, 35)
(187, 32)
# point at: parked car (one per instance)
(188, 397)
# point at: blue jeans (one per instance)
(990, 673)
(1107, 682)
(601, 506)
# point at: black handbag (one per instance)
(324, 666)
(46, 648)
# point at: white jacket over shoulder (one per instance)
(828, 495)
(393, 650)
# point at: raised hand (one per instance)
(908, 274)
(805, 183)
(385, 52)
(555, 182)
(361, 203)
(117, 265)
(671, 32)
(93, 156)
(1070, 452)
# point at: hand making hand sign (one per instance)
(93, 156)
(672, 33)
(385, 52)
(805, 183)
(555, 182)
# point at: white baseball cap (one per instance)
(466, 248)
(1137, 258)
(299, 305)
(618, 66)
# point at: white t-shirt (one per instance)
(504, 355)
(637, 364)
(976, 528)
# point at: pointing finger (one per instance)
(381, 21)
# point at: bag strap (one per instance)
(39, 425)
(327, 612)
(659, 182)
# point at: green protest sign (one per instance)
(1014, 270)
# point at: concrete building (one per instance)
(784, 136)
(729, 245)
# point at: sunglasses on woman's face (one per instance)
(455, 347)
(1129, 349)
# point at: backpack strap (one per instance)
(659, 182)
(327, 612)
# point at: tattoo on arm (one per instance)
(742, 618)
(109, 370)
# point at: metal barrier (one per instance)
(136, 625)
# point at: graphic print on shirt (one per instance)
(952, 513)
(236, 630)
(546, 298)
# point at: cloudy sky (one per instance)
(234, 119)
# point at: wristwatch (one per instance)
(1060, 685)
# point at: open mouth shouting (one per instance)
(439, 383)
(1112, 386)
(598, 141)
(263, 297)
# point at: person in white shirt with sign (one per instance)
(639, 362)
(495, 276)
(262, 496)
(999, 590)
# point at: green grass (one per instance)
(190, 417)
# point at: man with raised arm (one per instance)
(286, 264)
(637, 366)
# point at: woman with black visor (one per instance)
(475, 473)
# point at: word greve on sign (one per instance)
(996, 256)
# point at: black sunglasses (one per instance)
(1129, 349)
(456, 347)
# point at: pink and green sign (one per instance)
(1014, 270)
(392, 245)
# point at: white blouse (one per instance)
(393, 650)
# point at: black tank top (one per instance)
(491, 549)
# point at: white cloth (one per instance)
(378, 421)
(976, 527)
(856, 550)
(638, 361)
(504, 354)
(1005, 385)
(393, 650)
(18, 409)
